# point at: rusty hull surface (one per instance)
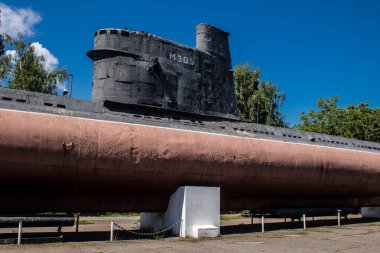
(61, 163)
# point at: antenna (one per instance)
(71, 84)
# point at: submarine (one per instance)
(163, 115)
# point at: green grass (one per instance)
(110, 214)
(226, 217)
(159, 237)
(85, 222)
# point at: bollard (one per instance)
(304, 221)
(339, 218)
(285, 220)
(112, 230)
(251, 214)
(262, 223)
(19, 232)
(77, 225)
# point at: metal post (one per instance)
(339, 218)
(112, 229)
(19, 232)
(285, 220)
(71, 84)
(251, 214)
(262, 223)
(77, 225)
(304, 221)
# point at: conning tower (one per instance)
(213, 40)
(137, 68)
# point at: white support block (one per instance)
(196, 208)
(370, 212)
(205, 231)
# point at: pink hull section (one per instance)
(59, 163)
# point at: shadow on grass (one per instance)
(77, 237)
(105, 236)
(225, 230)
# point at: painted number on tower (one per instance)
(181, 58)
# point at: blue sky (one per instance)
(311, 49)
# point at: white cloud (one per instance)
(22, 20)
(50, 62)
(12, 53)
(18, 20)
(61, 86)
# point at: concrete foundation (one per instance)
(370, 212)
(196, 209)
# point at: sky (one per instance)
(310, 48)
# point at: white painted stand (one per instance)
(19, 235)
(304, 221)
(197, 209)
(112, 231)
(339, 217)
(370, 212)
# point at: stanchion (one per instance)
(19, 232)
(112, 230)
(262, 223)
(77, 224)
(339, 218)
(304, 221)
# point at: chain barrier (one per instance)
(147, 234)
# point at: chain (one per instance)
(148, 234)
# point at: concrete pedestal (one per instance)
(196, 208)
(370, 212)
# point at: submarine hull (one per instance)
(60, 163)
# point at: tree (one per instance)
(5, 61)
(257, 100)
(24, 70)
(358, 122)
(2, 46)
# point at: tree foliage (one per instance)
(2, 46)
(24, 70)
(5, 60)
(358, 122)
(258, 101)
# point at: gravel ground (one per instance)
(238, 235)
